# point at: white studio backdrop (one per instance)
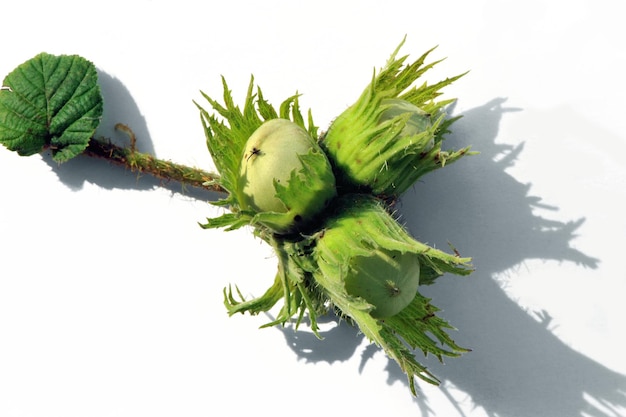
(111, 295)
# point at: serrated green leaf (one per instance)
(50, 102)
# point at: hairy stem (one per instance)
(145, 163)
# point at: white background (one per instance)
(111, 295)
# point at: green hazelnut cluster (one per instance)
(323, 203)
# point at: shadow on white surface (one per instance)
(119, 107)
(517, 367)
(344, 340)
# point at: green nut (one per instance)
(384, 149)
(388, 280)
(363, 252)
(285, 177)
(391, 136)
(418, 120)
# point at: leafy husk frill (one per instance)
(376, 154)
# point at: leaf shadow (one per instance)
(517, 366)
(119, 107)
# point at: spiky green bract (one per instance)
(361, 223)
(313, 270)
(293, 284)
(227, 131)
(374, 153)
(361, 226)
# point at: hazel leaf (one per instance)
(50, 102)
